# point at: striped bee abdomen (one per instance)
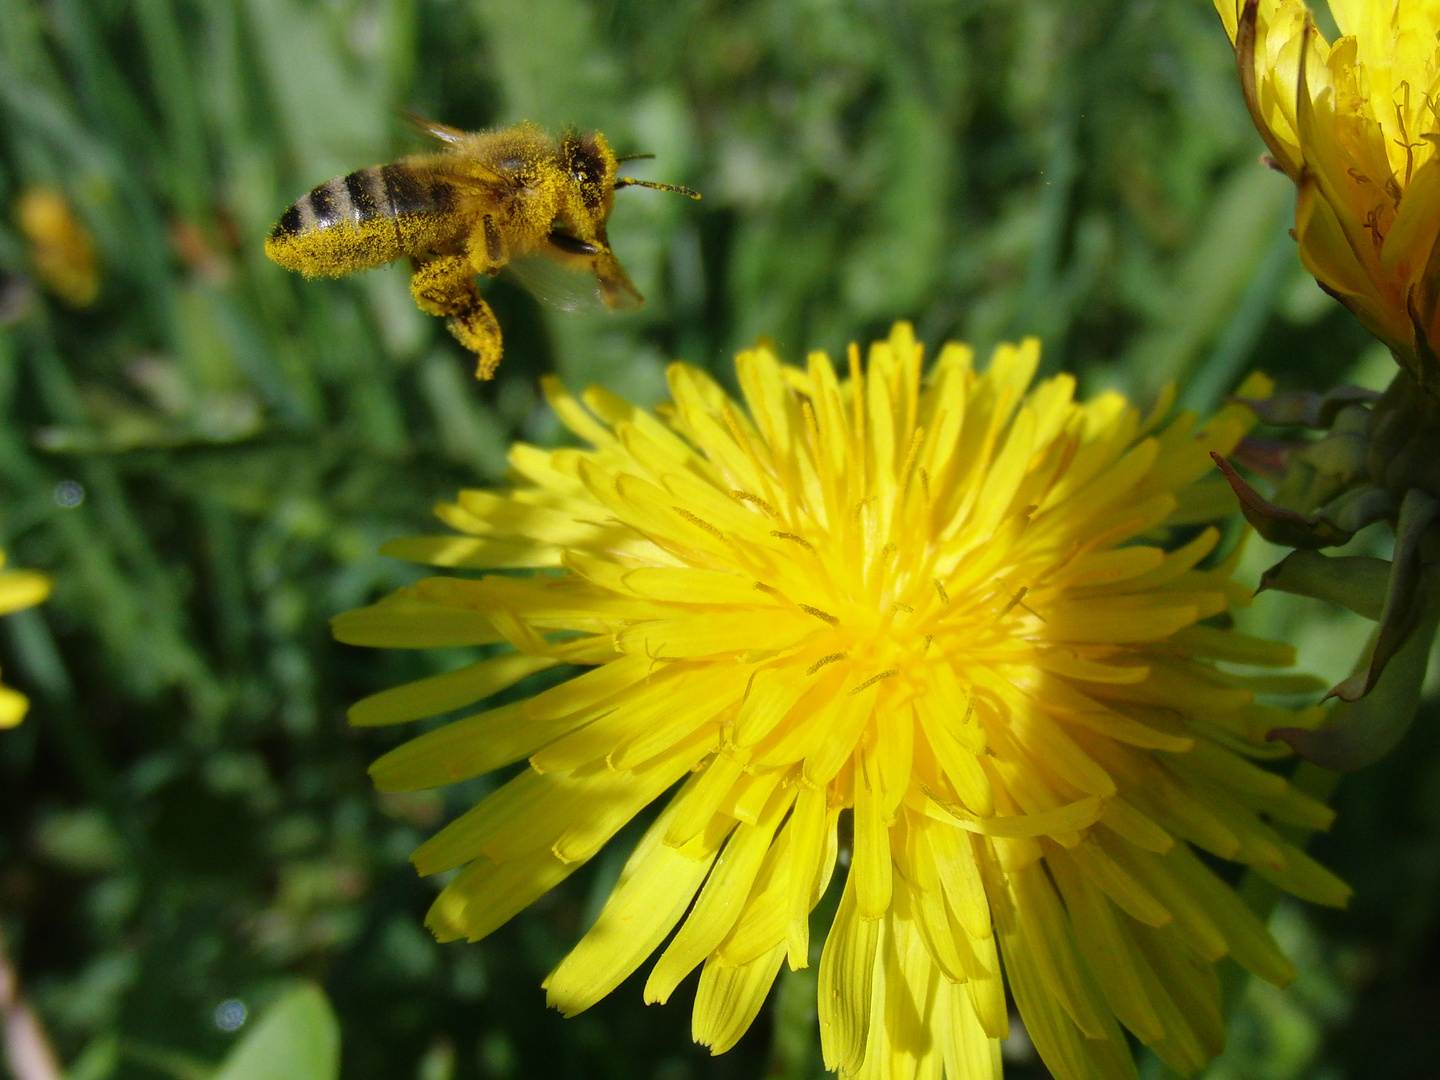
(362, 220)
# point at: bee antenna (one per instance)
(630, 181)
(635, 157)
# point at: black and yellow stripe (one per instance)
(364, 219)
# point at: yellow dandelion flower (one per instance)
(60, 246)
(1355, 124)
(920, 628)
(18, 589)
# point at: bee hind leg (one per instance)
(445, 286)
(477, 330)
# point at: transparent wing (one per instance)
(616, 289)
(568, 287)
(444, 132)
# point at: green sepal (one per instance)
(1404, 434)
(1356, 582)
(1352, 510)
(1406, 594)
(1275, 523)
(1307, 408)
(1361, 732)
(1426, 365)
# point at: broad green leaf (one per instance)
(296, 1038)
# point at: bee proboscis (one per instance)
(488, 197)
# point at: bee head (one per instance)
(591, 165)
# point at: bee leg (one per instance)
(475, 328)
(445, 286)
(488, 252)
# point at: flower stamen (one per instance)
(699, 523)
(889, 674)
(794, 539)
(755, 500)
(823, 616)
(829, 658)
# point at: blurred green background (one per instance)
(207, 457)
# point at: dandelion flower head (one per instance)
(1355, 124)
(914, 639)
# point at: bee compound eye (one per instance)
(585, 168)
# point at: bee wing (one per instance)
(448, 135)
(569, 288)
(616, 289)
(466, 172)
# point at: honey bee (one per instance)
(488, 197)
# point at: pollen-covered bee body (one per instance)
(487, 198)
(366, 219)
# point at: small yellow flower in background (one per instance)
(61, 250)
(928, 630)
(1356, 127)
(18, 589)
